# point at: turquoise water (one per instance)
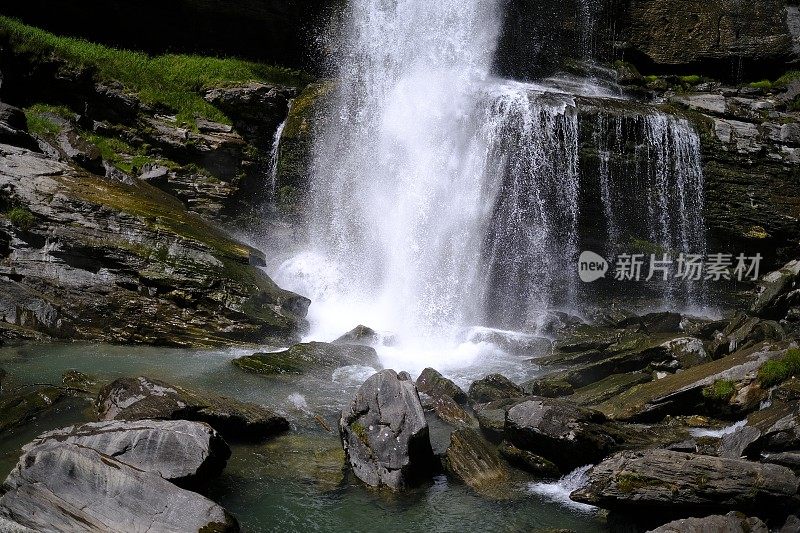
(297, 481)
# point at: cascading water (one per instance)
(443, 198)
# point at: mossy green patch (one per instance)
(721, 390)
(777, 371)
(763, 84)
(21, 218)
(40, 124)
(173, 81)
(786, 79)
(629, 482)
(691, 79)
(360, 432)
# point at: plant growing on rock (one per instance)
(21, 218)
(720, 391)
(777, 371)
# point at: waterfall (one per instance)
(444, 198)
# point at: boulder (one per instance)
(14, 127)
(59, 486)
(668, 482)
(769, 431)
(564, 433)
(434, 384)
(492, 418)
(305, 357)
(359, 335)
(494, 387)
(385, 434)
(452, 413)
(776, 292)
(143, 398)
(475, 462)
(180, 451)
(732, 522)
(687, 351)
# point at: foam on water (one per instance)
(560, 490)
(717, 433)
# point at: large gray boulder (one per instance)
(385, 434)
(675, 482)
(566, 434)
(732, 522)
(178, 450)
(144, 398)
(777, 292)
(58, 486)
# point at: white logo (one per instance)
(591, 267)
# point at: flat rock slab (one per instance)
(673, 482)
(144, 398)
(58, 486)
(308, 357)
(385, 434)
(732, 522)
(178, 450)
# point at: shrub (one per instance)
(21, 218)
(763, 84)
(777, 371)
(787, 78)
(692, 79)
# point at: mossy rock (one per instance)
(305, 357)
(23, 405)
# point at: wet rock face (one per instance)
(568, 435)
(115, 275)
(670, 482)
(474, 461)
(63, 486)
(144, 398)
(714, 33)
(180, 451)
(385, 434)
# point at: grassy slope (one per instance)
(173, 81)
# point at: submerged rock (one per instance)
(494, 387)
(475, 462)
(673, 482)
(732, 522)
(435, 385)
(178, 450)
(306, 357)
(142, 398)
(568, 435)
(21, 406)
(385, 434)
(65, 487)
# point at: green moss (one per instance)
(721, 390)
(629, 482)
(21, 218)
(360, 432)
(172, 81)
(651, 78)
(692, 79)
(763, 84)
(777, 371)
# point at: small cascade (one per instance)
(274, 154)
(560, 490)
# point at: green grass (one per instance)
(787, 78)
(777, 371)
(21, 218)
(40, 124)
(173, 81)
(721, 390)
